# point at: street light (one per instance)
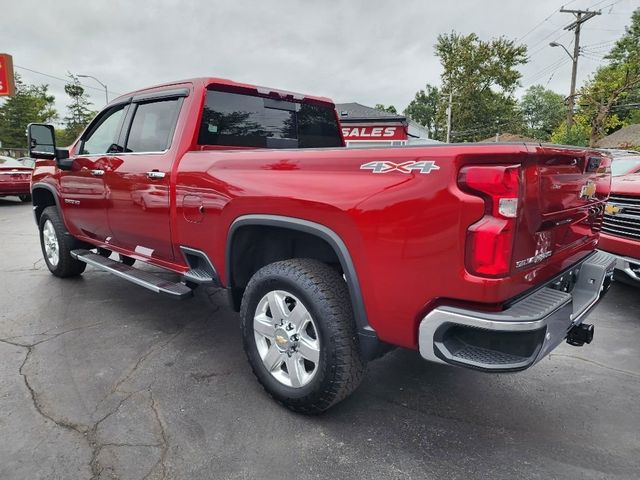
(574, 71)
(556, 44)
(106, 92)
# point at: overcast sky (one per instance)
(363, 51)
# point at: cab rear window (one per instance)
(238, 120)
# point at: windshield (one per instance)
(623, 165)
(27, 162)
(9, 162)
(233, 119)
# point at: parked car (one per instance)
(15, 179)
(480, 255)
(621, 226)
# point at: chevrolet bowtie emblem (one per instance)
(281, 340)
(588, 190)
(611, 209)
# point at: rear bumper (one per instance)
(522, 334)
(629, 266)
(15, 187)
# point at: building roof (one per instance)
(509, 137)
(356, 112)
(626, 137)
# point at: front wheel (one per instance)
(57, 244)
(299, 334)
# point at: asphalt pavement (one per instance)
(102, 379)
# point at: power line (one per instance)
(596, 4)
(548, 69)
(608, 42)
(65, 80)
(543, 21)
(610, 4)
(536, 26)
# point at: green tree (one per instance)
(424, 110)
(578, 134)
(482, 76)
(78, 112)
(390, 108)
(30, 104)
(613, 83)
(543, 111)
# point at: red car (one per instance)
(478, 255)
(15, 179)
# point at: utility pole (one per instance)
(449, 108)
(581, 17)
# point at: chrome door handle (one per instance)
(97, 173)
(155, 174)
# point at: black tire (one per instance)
(67, 266)
(622, 277)
(25, 198)
(126, 260)
(324, 293)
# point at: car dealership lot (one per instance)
(102, 378)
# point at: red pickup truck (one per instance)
(621, 226)
(479, 255)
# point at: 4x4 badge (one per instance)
(404, 167)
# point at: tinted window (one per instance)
(102, 136)
(153, 125)
(242, 120)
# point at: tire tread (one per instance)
(329, 290)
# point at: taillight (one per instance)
(489, 243)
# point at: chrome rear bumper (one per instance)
(521, 335)
(629, 266)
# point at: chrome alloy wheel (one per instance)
(50, 241)
(286, 338)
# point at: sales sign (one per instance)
(382, 132)
(7, 84)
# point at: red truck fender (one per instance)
(370, 345)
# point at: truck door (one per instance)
(83, 192)
(139, 178)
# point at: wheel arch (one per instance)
(43, 195)
(313, 229)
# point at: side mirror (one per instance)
(42, 141)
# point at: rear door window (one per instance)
(233, 119)
(153, 125)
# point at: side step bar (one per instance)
(139, 277)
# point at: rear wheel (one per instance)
(299, 334)
(57, 244)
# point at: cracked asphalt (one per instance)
(101, 379)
